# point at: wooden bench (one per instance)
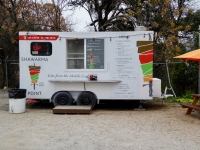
(193, 105)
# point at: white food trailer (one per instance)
(68, 67)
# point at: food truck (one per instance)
(85, 68)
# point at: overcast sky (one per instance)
(81, 17)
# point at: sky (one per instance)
(81, 17)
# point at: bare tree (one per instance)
(105, 15)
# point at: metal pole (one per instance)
(6, 72)
(169, 79)
(199, 65)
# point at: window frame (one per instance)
(81, 58)
(85, 56)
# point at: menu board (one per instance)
(95, 53)
(123, 56)
(124, 67)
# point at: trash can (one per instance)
(17, 100)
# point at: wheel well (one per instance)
(88, 92)
(91, 93)
(56, 93)
(51, 100)
(87, 98)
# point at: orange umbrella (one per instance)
(193, 55)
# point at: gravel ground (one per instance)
(108, 127)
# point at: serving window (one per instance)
(85, 54)
(75, 54)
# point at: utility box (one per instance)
(157, 88)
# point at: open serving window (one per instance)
(85, 54)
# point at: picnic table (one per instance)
(193, 105)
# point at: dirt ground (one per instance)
(112, 126)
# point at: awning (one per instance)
(193, 55)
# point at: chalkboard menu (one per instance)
(95, 53)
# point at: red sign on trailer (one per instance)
(38, 37)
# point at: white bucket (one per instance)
(17, 105)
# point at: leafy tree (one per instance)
(167, 18)
(47, 16)
(185, 77)
(192, 19)
(191, 40)
(24, 15)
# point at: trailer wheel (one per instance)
(62, 98)
(86, 98)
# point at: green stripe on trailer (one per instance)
(147, 68)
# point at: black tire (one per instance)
(62, 98)
(86, 98)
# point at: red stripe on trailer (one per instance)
(39, 37)
(146, 58)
